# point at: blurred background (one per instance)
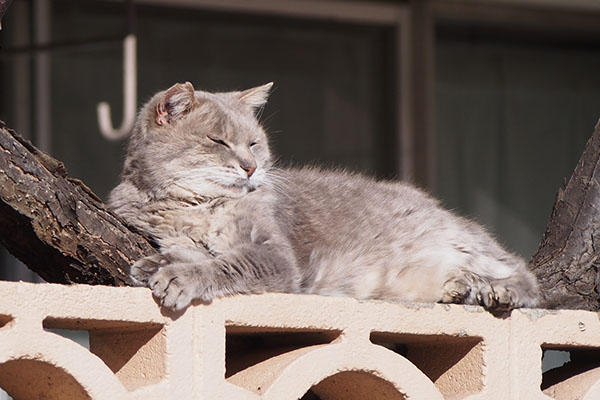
(487, 104)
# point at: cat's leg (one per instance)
(250, 268)
(518, 290)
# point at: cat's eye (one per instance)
(252, 144)
(218, 141)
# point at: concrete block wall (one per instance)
(279, 347)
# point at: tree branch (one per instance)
(568, 258)
(56, 225)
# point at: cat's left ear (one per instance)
(177, 101)
(257, 96)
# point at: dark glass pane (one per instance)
(513, 117)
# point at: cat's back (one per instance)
(334, 195)
(348, 211)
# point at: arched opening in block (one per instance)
(25, 379)
(306, 371)
(453, 363)
(353, 385)
(134, 351)
(576, 376)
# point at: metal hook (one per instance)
(129, 95)
(4, 4)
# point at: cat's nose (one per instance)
(249, 169)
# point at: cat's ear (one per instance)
(257, 96)
(177, 101)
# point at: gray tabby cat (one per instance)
(199, 178)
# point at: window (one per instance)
(514, 109)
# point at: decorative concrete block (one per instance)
(279, 347)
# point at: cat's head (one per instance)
(200, 142)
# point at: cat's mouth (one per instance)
(237, 184)
(241, 185)
(249, 185)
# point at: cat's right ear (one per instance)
(177, 101)
(257, 96)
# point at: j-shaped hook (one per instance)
(4, 4)
(129, 95)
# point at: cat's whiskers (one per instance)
(276, 183)
(277, 189)
(278, 178)
(198, 179)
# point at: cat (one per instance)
(199, 179)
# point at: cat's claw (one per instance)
(141, 271)
(456, 291)
(497, 297)
(172, 288)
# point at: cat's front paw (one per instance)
(143, 269)
(175, 286)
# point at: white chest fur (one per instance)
(202, 224)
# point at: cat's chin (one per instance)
(247, 187)
(238, 190)
(241, 190)
(209, 189)
(244, 186)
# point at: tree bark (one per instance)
(568, 258)
(56, 225)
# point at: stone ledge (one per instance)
(278, 347)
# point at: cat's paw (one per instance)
(143, 269)
(175, 286)
(458, 291)
(497, 297)
(479, 291)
